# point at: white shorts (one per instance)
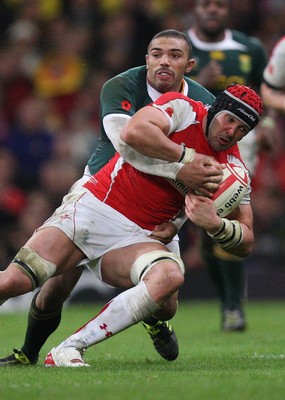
(95, 227)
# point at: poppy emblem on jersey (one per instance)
(126, 105)
(169, 111)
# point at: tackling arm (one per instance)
(147, 132)
(142, 141)
(149, 156)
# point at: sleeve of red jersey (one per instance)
(179, 109)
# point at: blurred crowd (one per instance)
(54, 58)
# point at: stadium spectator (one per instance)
(61, 71)
(12, 200)
(30, 139)
(36, 210)
(56, 176)
(12, 197)
(24, 36)
(15, 85)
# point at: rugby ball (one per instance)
(231, 189)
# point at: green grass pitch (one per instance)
(211, 366)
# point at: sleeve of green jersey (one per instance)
(198, 92)
(115, 98)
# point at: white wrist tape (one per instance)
(229, 235)
(179, 221)
(187, 155)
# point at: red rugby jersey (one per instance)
(149, 200)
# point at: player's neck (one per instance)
(181, 90)
(207, 38)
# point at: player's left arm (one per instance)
(234, 234)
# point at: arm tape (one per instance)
(229, 235)
(187, 155)
(179, 221)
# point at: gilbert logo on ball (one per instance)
(231, 189)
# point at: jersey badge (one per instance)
(218, 56)
(169, 111)
(245, 63)
(126, 105)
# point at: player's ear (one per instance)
(146, 60)
(190, 64)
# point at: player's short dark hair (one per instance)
(173, 33)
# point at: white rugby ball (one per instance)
(231, 190)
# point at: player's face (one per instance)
(211, 18)
(225, 131)
(167, 61)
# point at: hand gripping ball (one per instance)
(231, 189)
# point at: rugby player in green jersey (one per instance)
(224, 56)
(168, 59)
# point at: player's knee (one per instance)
(35, 267)
(171, 268)
(166, 274)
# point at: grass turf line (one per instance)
(211, 366)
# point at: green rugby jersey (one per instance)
(126, 93)
(242, 57)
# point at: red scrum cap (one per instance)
(239, 100)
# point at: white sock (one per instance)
(123, 311)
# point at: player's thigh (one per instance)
(116, 264)
(57, 289)
(54, 245)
